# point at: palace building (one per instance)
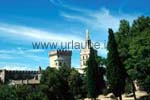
(60, 58)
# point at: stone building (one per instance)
(84, 53)
(60, 58)
(14, 77)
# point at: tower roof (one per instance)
(87, 35)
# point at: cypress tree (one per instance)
(94, 74)
(115, 69)
(91, 74)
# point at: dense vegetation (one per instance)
(128, 61)
(134, 49)
(116, 73)
(94, 75)
(56, 84)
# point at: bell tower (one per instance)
(84, 53)
(88, 41)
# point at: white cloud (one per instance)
(60, 4)
(17, 66)
(20, 50)
(22, 53)
(33, 34)
(98, 20)
(101, 19)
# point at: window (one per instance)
(60, 64)
(84, 63)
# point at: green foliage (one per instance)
(63, 84)
(7, 93)
(94, 75)
(90, 75)
(101, 61)
(130, 48)
(56, 83)
(36, 95)
(134, 49)
(122, 39)
(77, 84)
(115, 70)
(21, 92)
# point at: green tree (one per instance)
(139, 49)
(100, 74)
(123, 37)
(51, 83)
(36, 95)
(76, 84)
(22, 91)
(55, 83)
(115, 70)
(66, 92)
(7, 92)
(94, 76)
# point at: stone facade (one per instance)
(14, 77)
(84, 53)
(60, 58)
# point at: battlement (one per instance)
(21, 71)
(20, 75)
(60, 52)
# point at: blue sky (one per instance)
(25, 21)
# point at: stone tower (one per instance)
(60, 58)
(84, 54)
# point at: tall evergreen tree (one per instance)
(94, 75)
(91, 74)
(100, 74)
(123, 37)
(115, 70)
